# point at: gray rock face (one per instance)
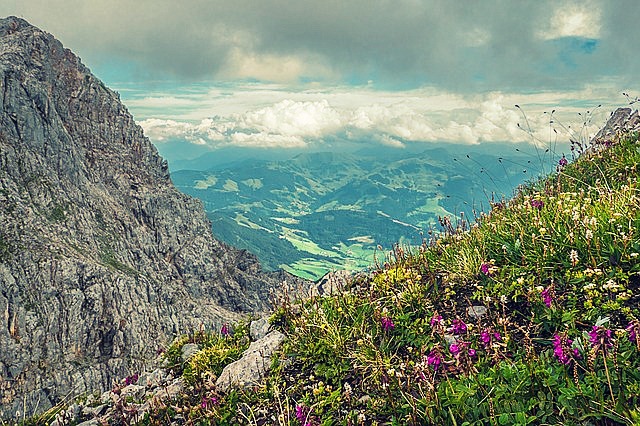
(102, 260)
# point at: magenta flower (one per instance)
(537, 204)
(387, 323)
(458, 326)
(484, 268)
(487, 337)
(600, 336)
(208, 402)
(563, 161)
(225, 331)
(454, 349)
(434, 359)
(562, 349)
(546, 296)
(633, 329)
(472, 353)
(301, 413)
(130, 380)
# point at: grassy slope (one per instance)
(557, 270)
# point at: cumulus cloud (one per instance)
(577, 21)
(461, 46)
(392, 121)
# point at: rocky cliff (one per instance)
(102, 260)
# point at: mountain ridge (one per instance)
(102, 259)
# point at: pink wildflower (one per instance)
(208, 402)
(387, 323)
(484, 268)
(537, 204)
(454, 349)
(562, 349)
(225, 331)
(458, 326)
(546, 296)
(487, 337)
(600, 336)
(301, 413)
(434, 359)
(633, 329)
(130, 380)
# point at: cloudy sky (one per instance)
(295, 73)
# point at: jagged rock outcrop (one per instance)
(102, 260)
(621, 120)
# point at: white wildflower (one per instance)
(573, 257)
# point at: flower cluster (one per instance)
(487, 337)
(537, 204)
(387, 323)
(563, 350)
(488, 268)
(458, 326)
(225, 330)
(562, 163)
(633, 329)
(573, 257)
(209, 402)
(436, 321)
(600, 337)
(434, 359)
(547, 298)
(302, 415)
(131, 380)
(460, 347)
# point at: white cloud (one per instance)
(574, 20)
(303, 119)
(266, 140)
(296, 119)
(159, 130)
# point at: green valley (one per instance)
(324, 211)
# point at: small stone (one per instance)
(94, 411)
(476, 311)
(136, 391)
(253, 365)
(259, 328)
(105, 397)
(189, 350)
(174, 389)
(450, 339)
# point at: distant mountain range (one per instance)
(322, 211)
